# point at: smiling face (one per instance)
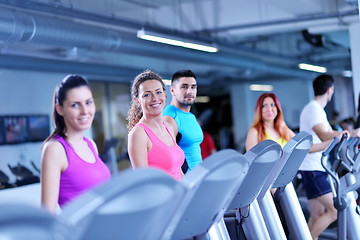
(151, 97)
(78, 109)
(184, 91)
(269, 109)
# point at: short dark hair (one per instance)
(322, 83)
(182, 73)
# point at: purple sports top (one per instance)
(80, 175)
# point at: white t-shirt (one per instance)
(311, 115)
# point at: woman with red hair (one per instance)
(268, 122)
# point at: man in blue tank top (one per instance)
(189, 134)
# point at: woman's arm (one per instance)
(355, 133)
(251, 139)
(53, 162)
(170, 122)
(138, 147)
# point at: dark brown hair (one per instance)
(60, 94)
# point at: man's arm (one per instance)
(325, 132)
(355, 133)
(320, 146)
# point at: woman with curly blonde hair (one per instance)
(151, 141)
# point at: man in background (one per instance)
(314, 177)
(189, 134)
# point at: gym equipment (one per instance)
(262, 158)
(37, 169)
(18, 222)
(23, 175)
(136, 204)
(281, 178)
(344, 183)
(109, 155)
(149, 204)
(4, 181)
(210, 188)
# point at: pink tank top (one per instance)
(80, 175)
(162, 156)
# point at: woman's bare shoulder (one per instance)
(54, 152)
(253, 131)
(137, 132)
(53, 146)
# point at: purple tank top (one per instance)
(164, 157)
(80, 175)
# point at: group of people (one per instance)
(160, 136)
(166, 137)
(269, 124)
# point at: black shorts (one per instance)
(315, 183)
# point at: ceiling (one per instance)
(257, 39)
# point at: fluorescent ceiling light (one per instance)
(261, 87)
(202, 99)
(155, 37)
(313, 68)
(167, 82)
(347, 73)
(327, 28)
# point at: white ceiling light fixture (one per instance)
(261, 87)
(202, 99)
(161, 38)
(314, 68)
(167, 82)
(347, 73)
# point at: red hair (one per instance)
(279, 123)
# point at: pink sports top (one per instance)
(162, 156)
(80, 175)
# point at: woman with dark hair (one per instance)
(151, 142)
(268, 122)
(70, 162)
